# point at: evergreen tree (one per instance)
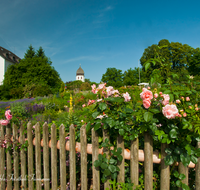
(30, 52)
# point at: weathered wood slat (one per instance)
(16, 157)
(165, 170)
(72, 155)
(46, 156)
(134, 166)
(53, 157)
(62, 158)
(183, 170)
(23, 158)
(121, 175)
(197, 174)
(106, 150)
(148, 162)
(83, 138)
(30, 156)
(8, 159)
(38, 156)
(2, 160)
(95, 153)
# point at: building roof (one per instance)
(8, 55)
(80, 71)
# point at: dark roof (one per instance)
(8, 55)
(80, 71)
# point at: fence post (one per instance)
(134, 165)
(16, 157)
(30, 156)
(95, 153)
(53, 157)
(2, 160)
(62, 158)
(46, 156)
(165, 170)
(121, 175)
(197, 172)
(83, 138)
(38, 156)
(105, 150)
(8, 158)
(23, 158)
(148, 162)
(72, 155)
(183, 170)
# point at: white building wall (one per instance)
(80, 77)
(2, 69)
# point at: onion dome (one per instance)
(80, 71)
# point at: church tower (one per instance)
(80, 74)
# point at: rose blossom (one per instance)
(146, 94)
(126, 97)
(8, 115)
(83, 105)
(101, 86)
(94, 90)
(196, 108)
(166, 99)
(170, 111)
(147, 103)
(178, 101)
(187, 99)
(155, 95)
(109, 90)
(185, 114)
(4, 122)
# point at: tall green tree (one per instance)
(131, 76)
(30, 52)
(113, 77)
(167, 58)
(33, 71)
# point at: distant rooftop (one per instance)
(8, 55)
(80, 71)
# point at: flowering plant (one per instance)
(8, 116)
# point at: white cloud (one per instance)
(89, 58)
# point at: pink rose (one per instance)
(102, 86)
(109, 90)
(197, 109)
(146, 94)
(187, 99)
(83, 105)
(184, 114)
(4, 122)
(178, 101)
(155, 95)
(166, 99)
(190, 107)
(126, 97)
(147, 103)
(170, 111)
(8, 115)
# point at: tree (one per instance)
(194, 63)
(30, 52)
(40, 53)
(113, 77)
(131, 76)
(33, 70)
(167, 57)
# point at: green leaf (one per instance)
(107, 172)
(148, 116)
(95, 114)
(121, 132)
(88, 127)
(154, 110)
(173, 134)
(114, 175)
(97, 163)
(185, 187)
(120, 157)
(188, 148)
(119, 150)
(185, 159)
(110, 122)
(178, 183)
(112, 161)
(194, 159)
(181, 177)
(104, 166)
(147, 65)
(102, 106)
(112, 168)
(169, 160)
(97, 126)
(176, 174)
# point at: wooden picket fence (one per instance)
(24, 171)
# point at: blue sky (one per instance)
(96, 34)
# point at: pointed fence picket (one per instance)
(40, 175)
